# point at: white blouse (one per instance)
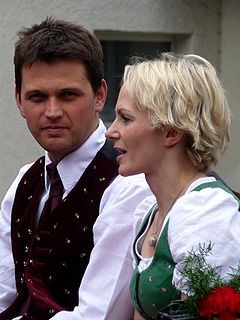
(199, 217)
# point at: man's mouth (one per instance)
(54, 129)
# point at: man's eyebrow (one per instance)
(70, 89)
(28, 93)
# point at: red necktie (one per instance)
(56, 189)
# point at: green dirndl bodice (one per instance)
(152, 289)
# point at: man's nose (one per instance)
(53, 108)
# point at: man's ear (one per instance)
(172, 137)
(101, 96)
(19, 103)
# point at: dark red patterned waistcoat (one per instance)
(51, 257)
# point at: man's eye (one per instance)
(68, 94)
(37, 97)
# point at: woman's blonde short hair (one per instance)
(184, 92)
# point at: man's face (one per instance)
(59, 105)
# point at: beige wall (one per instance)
(208, 28)
(230, 75)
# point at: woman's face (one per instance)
(138, 143)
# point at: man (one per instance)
(47, 220)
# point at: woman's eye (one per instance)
(125, 119)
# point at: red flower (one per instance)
(223, 302)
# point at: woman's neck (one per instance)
(170, 184)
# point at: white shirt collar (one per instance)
(72, 166)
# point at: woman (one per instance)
(172, 124)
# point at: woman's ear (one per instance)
(19, 103)
(172, 137)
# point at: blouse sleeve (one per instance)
(200, 217)
(105, 286)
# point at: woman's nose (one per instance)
(112, 132)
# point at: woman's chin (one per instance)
(126, 172)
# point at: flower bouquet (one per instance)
(209, 296)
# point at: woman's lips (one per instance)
(120, 152)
